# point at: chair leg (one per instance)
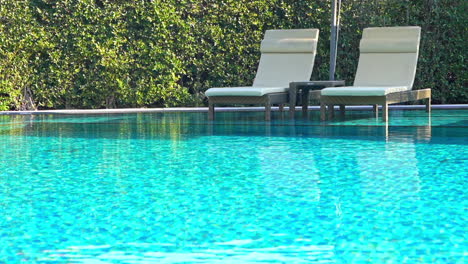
(323, 112)
(342, 110)
(210, 111)
(305, 100)
(375, 108)
(385, 112)
(428, 105)
(292, 99)
(267, 112)
(331, 111)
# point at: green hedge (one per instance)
(122, 53)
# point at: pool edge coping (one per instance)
(218, 109)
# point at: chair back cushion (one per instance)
(286, 56)
(388, 56)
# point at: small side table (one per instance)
(304, 88)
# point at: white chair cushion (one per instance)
(362, 90)
(398, 33)
(386, 69)
(290, 41)
(244, 91)
(279, 69)
(388, 57)
(388, 46)
(288, 45)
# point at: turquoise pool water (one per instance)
(175, 188)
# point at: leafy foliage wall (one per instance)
(125, 53)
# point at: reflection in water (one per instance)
(184, 125)
(423, 131)
(243, 254)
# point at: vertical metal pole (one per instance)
(336, 5)
(332, 41)
(338, 12)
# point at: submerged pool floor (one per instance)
(176, 188)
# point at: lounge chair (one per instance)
(385, 73)
(286, 56)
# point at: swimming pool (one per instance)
(175, 188)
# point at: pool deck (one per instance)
(218, 109)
